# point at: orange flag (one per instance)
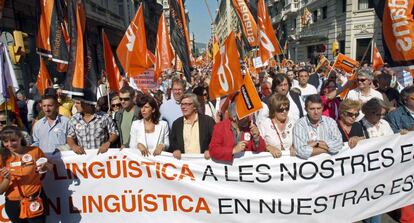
(112, 70)
(226, 77)
(43, 77)
(247, 21)
(345, 63)
(377, 61)
(268, 44)
(248, 101)
(132, 50)
(163, 52)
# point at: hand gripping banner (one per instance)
(373, 178)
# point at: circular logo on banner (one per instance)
(27, 158)
(34, 206)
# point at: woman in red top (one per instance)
(20, 171)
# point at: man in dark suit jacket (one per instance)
(192, 132)
(314, 80)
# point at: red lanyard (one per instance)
(346, 134)
(278, 135)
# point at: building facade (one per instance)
(352, 23)
(225, 21)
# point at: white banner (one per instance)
(375, 177)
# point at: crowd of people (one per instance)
(302, 116)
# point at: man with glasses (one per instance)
(126, 115)
(170, 110)
(364, 92)
(192, 132)
(315, 134)
(8, 118)
(50, 132)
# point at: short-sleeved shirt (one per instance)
(49, 137)
(91, 135)
(23, 173)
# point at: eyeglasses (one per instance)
(361, 80)
(124, 99)
(280, 110)
(186, 104)
(116, 105)
(353, 115)
(3, 122)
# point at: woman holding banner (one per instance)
(277, 129)
(149, 134)
(351, 131)
(21, 169)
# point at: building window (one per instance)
(315, 16)
(365, 4)
(324, 12)
(342, 46)
(363, 47)
(343, 5)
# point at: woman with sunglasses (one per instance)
(351, 130)
(115, 105)
(373, 123)
(277, 129)
(20, 171)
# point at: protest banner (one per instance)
(145, 81)
(375, 177)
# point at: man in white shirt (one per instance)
(364, 92)
(305, 88)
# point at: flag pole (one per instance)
(208, 9)
(106, 74)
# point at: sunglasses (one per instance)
(280, 110)
(186, 104)
(350, 114)
(361, 80)
(124, 99)
(3, 122)
(116, 105)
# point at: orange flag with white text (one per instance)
(226, 77)
(248, 100)
(377, 61)
(163, 53)
(249, 25)
(43, 77)
(268, 44)
(132, 50)
(111, 68)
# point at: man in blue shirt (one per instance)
(171, 110)
(50, 132)
(315, 134)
